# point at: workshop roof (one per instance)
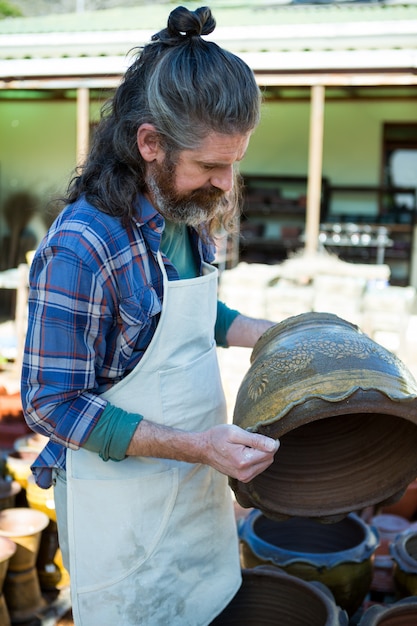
(267, 34)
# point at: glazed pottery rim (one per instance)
(39, 523)
(398, 608)
(330, 407)
(312, 588)
(288, 557)
(400, 554)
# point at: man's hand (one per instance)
(239, 453)
(227, 448)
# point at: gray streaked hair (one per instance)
(182, 84)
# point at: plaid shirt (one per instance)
(96, 291)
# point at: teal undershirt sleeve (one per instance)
(112, 434)
(225, 317)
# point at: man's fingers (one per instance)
(261, 442)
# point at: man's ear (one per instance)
(149, 144)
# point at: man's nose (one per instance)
(223, 179)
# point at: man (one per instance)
(120, 368)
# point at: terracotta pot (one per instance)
(271, 597)
(406, 504)
(341, 405)
(30, 446)
(40, 499)
(8, 492)
(337, 555)
(388, 527)
(7, 550)
(23, 526)
(22, 590)
(404, 554)
(48, 570)
(19, 468)
(402, 613)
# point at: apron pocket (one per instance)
(192, 391)
(112, 535)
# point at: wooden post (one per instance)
(83, 123)
(314, 169)
(22, 288)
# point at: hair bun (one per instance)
(185, 23)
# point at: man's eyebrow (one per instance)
(219, 163)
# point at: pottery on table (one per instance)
(18, 468)
(40, 499)
(406, 504)
(7, 550)
(337, 555)
(271, 597)
(345, 411)
(22, 591)
(9, 489)
(404, 554)
(402, 613)
(389, 526)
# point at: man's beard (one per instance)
(193, 208)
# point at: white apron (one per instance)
(153, 542)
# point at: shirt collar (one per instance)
(145, 213)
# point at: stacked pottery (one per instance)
(404, 554)
(22, 591)
(270, 597)
(18, 462)
(9, 489)
(388, 526)
(402, 613)
(341, 405)
(338, 555)
(7, 550)
(406, 504)
(51, 573)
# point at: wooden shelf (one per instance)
(273, 216)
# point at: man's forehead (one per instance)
(220, 148)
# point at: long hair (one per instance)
(186, 87)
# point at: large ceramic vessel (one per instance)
(271, 597)
(345, 411)
(337, 555)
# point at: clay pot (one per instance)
(7, 550)
(402, 613)
(388, 527)
(30, 446)
(8, 492)
(337, 555)
(341, 405)
(270, 597)
(406, 504)
(23, 526)
(40, 499)
(18, 468)
(404, 554)
(22, 590)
